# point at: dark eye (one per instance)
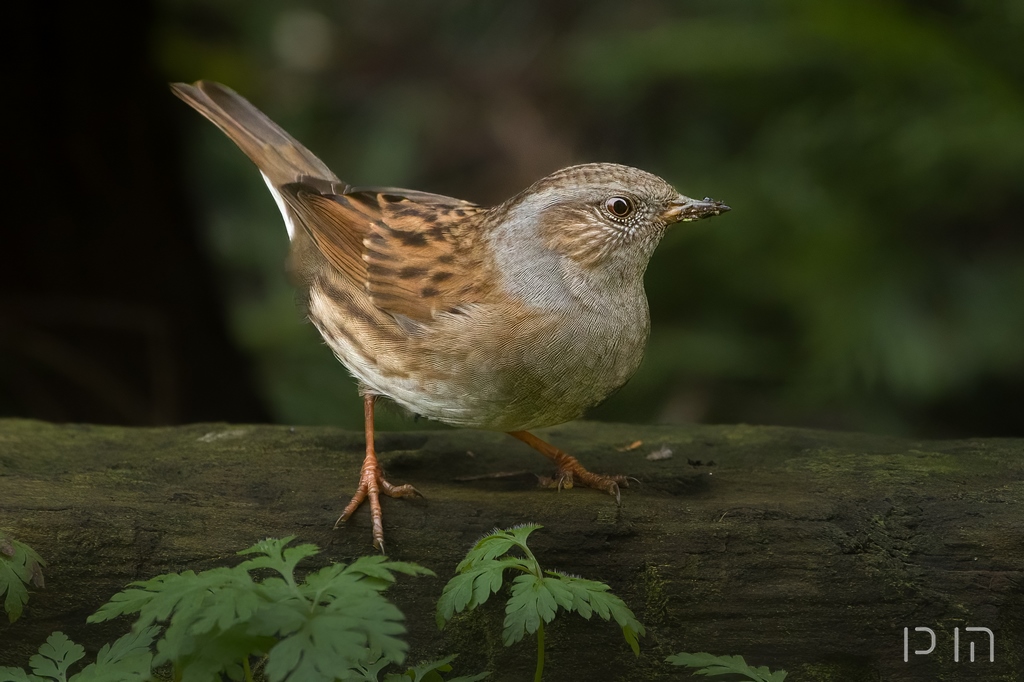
(620, 207)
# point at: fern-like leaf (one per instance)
(710, 665)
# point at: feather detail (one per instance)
(415, 254)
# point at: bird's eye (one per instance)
(620, 207)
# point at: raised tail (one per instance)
(279, 156)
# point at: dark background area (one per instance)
(870, 276)
(109, 307)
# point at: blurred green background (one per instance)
(869, 277)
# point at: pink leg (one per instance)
(569, 470)
(372, 483)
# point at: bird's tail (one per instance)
(278, 155)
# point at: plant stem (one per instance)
(532, 559)
(248, 671)
(540, 653)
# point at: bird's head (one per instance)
(607, 216)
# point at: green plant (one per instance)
(726, 665)
(536, 595)
(126, 660)
(334, 625)
(20, 566)
(430, 671)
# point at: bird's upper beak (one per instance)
(686, 209)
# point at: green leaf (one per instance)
(334, 645)
(365, 573)
(531, 602)
(229, 606)
(205, 658)
(370, 670)
(535, 598)
(497, 543)
(473, 586)
(324, 628)
(200, 607)
(710, 665)
(481, 573)
(126, 660)
(335, 625)
(132, 644)
(564, 597)
(8, 674)
(20, 566)
(592, 596)
(276, 556)
(632, 629)
(156, 599)
(55, 656)
(378, 571)
(129, 659)
(380, 567)
(272, 547)
(430, 671)
(349, 618)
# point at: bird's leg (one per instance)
(372, 482)
(569, 470)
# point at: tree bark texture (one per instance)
(804, 550)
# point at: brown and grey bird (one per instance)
(510, 317)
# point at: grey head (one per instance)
(605, 219)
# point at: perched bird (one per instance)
(512, 317)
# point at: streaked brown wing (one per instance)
(414, 253)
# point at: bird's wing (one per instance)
(414, 253)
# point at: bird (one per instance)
(511, 317)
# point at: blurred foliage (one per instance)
(870, 276)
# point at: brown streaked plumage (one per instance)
(509, 318)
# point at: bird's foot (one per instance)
(569, 471)
(371, 484)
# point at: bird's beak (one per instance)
(685, 209)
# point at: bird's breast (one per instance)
(505, 366)
(525, 369)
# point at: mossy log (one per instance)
(804, 550)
